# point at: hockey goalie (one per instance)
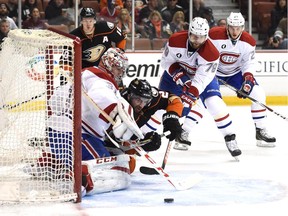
(104, 113)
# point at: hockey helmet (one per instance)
(199, 26)
(235, 19)
(115, 57)
(87, 12)
(140, 88)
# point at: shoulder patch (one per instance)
(110, 25)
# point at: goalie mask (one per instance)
(116, 63)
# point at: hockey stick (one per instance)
(151, 171)
(190, 182)
(140, 143)
(6, 106)
(184, 185)
(252, 99)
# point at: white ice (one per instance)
(256, 185)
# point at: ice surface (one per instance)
(257, 185)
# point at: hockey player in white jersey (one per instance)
(236, 67)
(190, 62)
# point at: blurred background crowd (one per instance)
(154, 20)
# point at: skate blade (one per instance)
(264, 144)
(236, 159)
(180, 147)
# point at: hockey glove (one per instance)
(181, 78)
(190, 95)
(247, 85)
(171, 123)
(155, 141)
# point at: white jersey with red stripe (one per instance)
(236, 57)
(199, 65)
(103, 90)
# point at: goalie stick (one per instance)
(184, 185)
(252, 99)
(151, 171)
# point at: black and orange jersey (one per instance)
(161, 100)
(105, 35)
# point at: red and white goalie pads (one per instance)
(125, 125)
(106, 174)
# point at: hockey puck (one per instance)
(168, 200)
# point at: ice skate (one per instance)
(232, 146)
(182, 142)
(263, 139)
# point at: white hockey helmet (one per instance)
(115, 57)
(235, 19)
(199, 26)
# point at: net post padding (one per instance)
(40, 140)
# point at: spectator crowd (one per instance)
(153, 18)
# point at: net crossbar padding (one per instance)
(40, 117)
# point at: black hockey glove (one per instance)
(247, 85)
(171, 123)
(155, 141)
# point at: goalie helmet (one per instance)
(87, 13)
(235, 19)
(199, 26)
(115, 57)
(140, 88)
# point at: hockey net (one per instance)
(40, 117)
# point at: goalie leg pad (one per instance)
(106, 174)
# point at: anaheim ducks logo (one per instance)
(94, 53)
(229, 58)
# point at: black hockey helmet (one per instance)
(140, 88)
(87, 12)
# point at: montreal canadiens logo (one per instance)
(229, 58)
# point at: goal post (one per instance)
(40, 117)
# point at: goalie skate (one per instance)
(264, 139)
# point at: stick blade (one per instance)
(189, 182)
(148, 170)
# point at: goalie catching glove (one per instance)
(247, 85)
(171, 123)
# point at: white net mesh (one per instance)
(36, 117)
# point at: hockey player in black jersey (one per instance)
(96, 37)
(146, 101)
